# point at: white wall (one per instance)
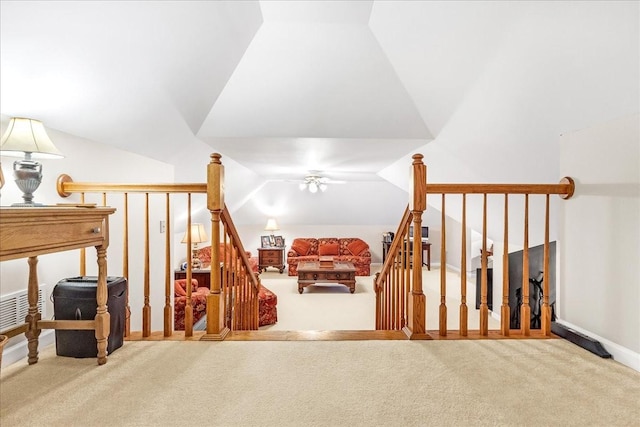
(87, 161)
(599, 288)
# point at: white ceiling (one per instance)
(349, 88)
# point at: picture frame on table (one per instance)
(265, 241)
(279, 241)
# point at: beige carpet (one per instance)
(327, 307)
(324, 383)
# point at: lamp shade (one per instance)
(198, 234)
(272, 225)
(27, 136)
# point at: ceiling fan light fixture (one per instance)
(313, 187)
(323, 187)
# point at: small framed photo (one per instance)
(265, 241)
(279, 241)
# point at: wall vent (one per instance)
(14, 307)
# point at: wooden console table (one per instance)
(27, 232)
(426, 246)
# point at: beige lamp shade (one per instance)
(272, 225)
(198, 234)
(27, 136)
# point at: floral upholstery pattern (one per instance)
(204, 254)
(362, 261)
(198, 300)
(267, 310)
(267, 304)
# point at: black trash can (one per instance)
(74, 298)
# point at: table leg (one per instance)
(33, 316)
(102, 318)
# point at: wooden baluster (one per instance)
(546, 309)
(505, 311)
(104, 199)
(404, 298)
(146, 309)
(224, 285)
(525, 309)
(464, 310)
(400, 301)
(394, 304)
(406, 271)
(376, 282)
(443, 268)
(168, 310)
(83, 259)
(125, 262)
(230, 287)
(484, 308)
(188, 308)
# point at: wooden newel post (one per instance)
(416, 311)
(216, 329)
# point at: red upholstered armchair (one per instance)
(198, 299)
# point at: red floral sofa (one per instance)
(350, 249)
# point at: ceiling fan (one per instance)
(314, 182)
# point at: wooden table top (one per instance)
(315, 265)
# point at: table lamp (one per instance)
(271, 226)
(198, 235)
(27, 137)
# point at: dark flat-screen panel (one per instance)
(424, 233)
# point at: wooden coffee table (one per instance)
(310, 272)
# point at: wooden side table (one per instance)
(271, 257)
(426, 246)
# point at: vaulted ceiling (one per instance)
(351, 89)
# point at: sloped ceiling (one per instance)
(350, 88)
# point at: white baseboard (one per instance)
(620, 354)
(19, 351)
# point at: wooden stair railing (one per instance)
(234, 275)
(393, 286)
(392, 283)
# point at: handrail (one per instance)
(66, 186)
(241, 269)
(395, 243)
(565, 188)
(390, 283)
(235, 237)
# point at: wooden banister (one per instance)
(241, 283)
(390, 283)
(387, 304)
(565, 188)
